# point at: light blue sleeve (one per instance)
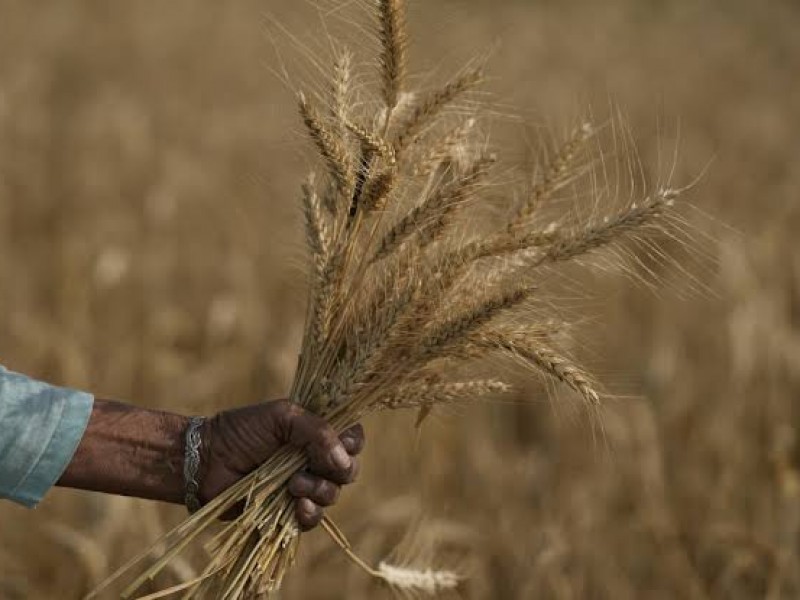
(40, 428)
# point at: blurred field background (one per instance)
(151, 250)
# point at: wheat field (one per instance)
(151, 249)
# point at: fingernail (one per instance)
(340, 457)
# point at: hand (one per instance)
(235, 442)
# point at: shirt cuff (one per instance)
(42, 426)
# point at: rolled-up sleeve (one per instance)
(40, 428)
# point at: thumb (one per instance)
(324, 450)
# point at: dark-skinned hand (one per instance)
(237, 441)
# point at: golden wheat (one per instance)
(392, 32)
(428, 219)
(430, 107)
(557, 173)
(335, 155)
(390, 311)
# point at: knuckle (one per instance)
(326, 433)
(291, 410)
(317, 427)
(308, 514)
(327, 492)
(298, 485)
(324, 443)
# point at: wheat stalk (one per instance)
(396, 306)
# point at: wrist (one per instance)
(193, 447)
(168, 472)
(130, 451)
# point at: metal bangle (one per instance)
(191, 463)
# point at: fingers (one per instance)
(320, 491)
(308, 514)
(237, 441)
(353, 440)
(314, 489)
(313, 494)
(327, 454)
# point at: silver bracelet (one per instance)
(191, 463)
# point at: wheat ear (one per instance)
(533, 351)
(393, 39)
(332, 150)
(444, 148)
(432, 105)
(557, 173)
(417, 395)
(551, 245)
(378, 189)
(340, 89)
(317, 234)
(634, 219)
(318, 240)
(327, 299)
(428, 218)
(373, 143)
(405, 581)
(455, 329)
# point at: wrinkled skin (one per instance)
(237, 441)
(139, 452)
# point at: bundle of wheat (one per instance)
(402, 293)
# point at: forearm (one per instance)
(130, 451)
